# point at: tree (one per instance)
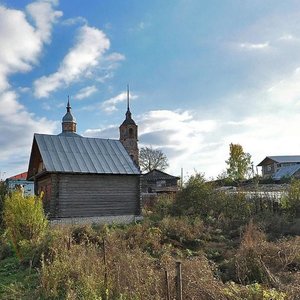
(151, 159)
(239, 163)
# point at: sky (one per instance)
(202, 74)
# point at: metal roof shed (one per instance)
(84, 177)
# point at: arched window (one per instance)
(130, 133)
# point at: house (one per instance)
(87, 179)
(157, 181)
(19, 182)
(277, 167)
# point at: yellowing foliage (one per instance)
(25, 222)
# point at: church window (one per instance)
(130, 133)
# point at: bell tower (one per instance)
(68, 121)
(129, 134)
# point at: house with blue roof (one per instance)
(279, 167)
(87, 179)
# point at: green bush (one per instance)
(3, 192)
(161, 207)
(5, 247)
(200, 198)
(291, 202)
(195, 198)
(25, 223)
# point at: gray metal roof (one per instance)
(158, 175)
(282, 159)
(286, 172)
(76, 154)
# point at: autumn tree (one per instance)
(239, 163)
(151, 159)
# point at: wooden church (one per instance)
(87, 178)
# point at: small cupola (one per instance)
(68, 121)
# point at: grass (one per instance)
(16, 281)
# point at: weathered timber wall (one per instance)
(96, 195)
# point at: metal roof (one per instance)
(282, 159)
(158, 175)
(286, 172)
(76, 154)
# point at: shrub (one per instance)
(291, 202)
(25, 223)
(195, 198)
(253, 291)
(162, 206)
(200, 198)
(5, 247)
(249, 263)
(3, 192)
(182, 229)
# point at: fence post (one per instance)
(178, 281)
(69, 243)
(167, 285)
(105, 267)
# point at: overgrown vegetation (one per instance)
(230, 247)
(25, 223)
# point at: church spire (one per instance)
(128, 97)
(128, 112)
(129, 133)
(68, 105)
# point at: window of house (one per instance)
(161, 183)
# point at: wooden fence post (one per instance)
(167, 285)
(105, 267)
(178, 281)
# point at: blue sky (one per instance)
(202, 74)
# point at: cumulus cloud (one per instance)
(44, 16)
(85, 92)
(21, 45)
(110, 105)
(90, 46)
(17, 126)
(15, 30)
(180, 134)
(106, 132)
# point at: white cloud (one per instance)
(287, 37)
(252, 46)
(181, 135)
(15, 30)
(17, 126)
(73, 21)
(110, 105)
(21, 45)
(86, 54)
(85, 92)
(44, 17)
(106, 132)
